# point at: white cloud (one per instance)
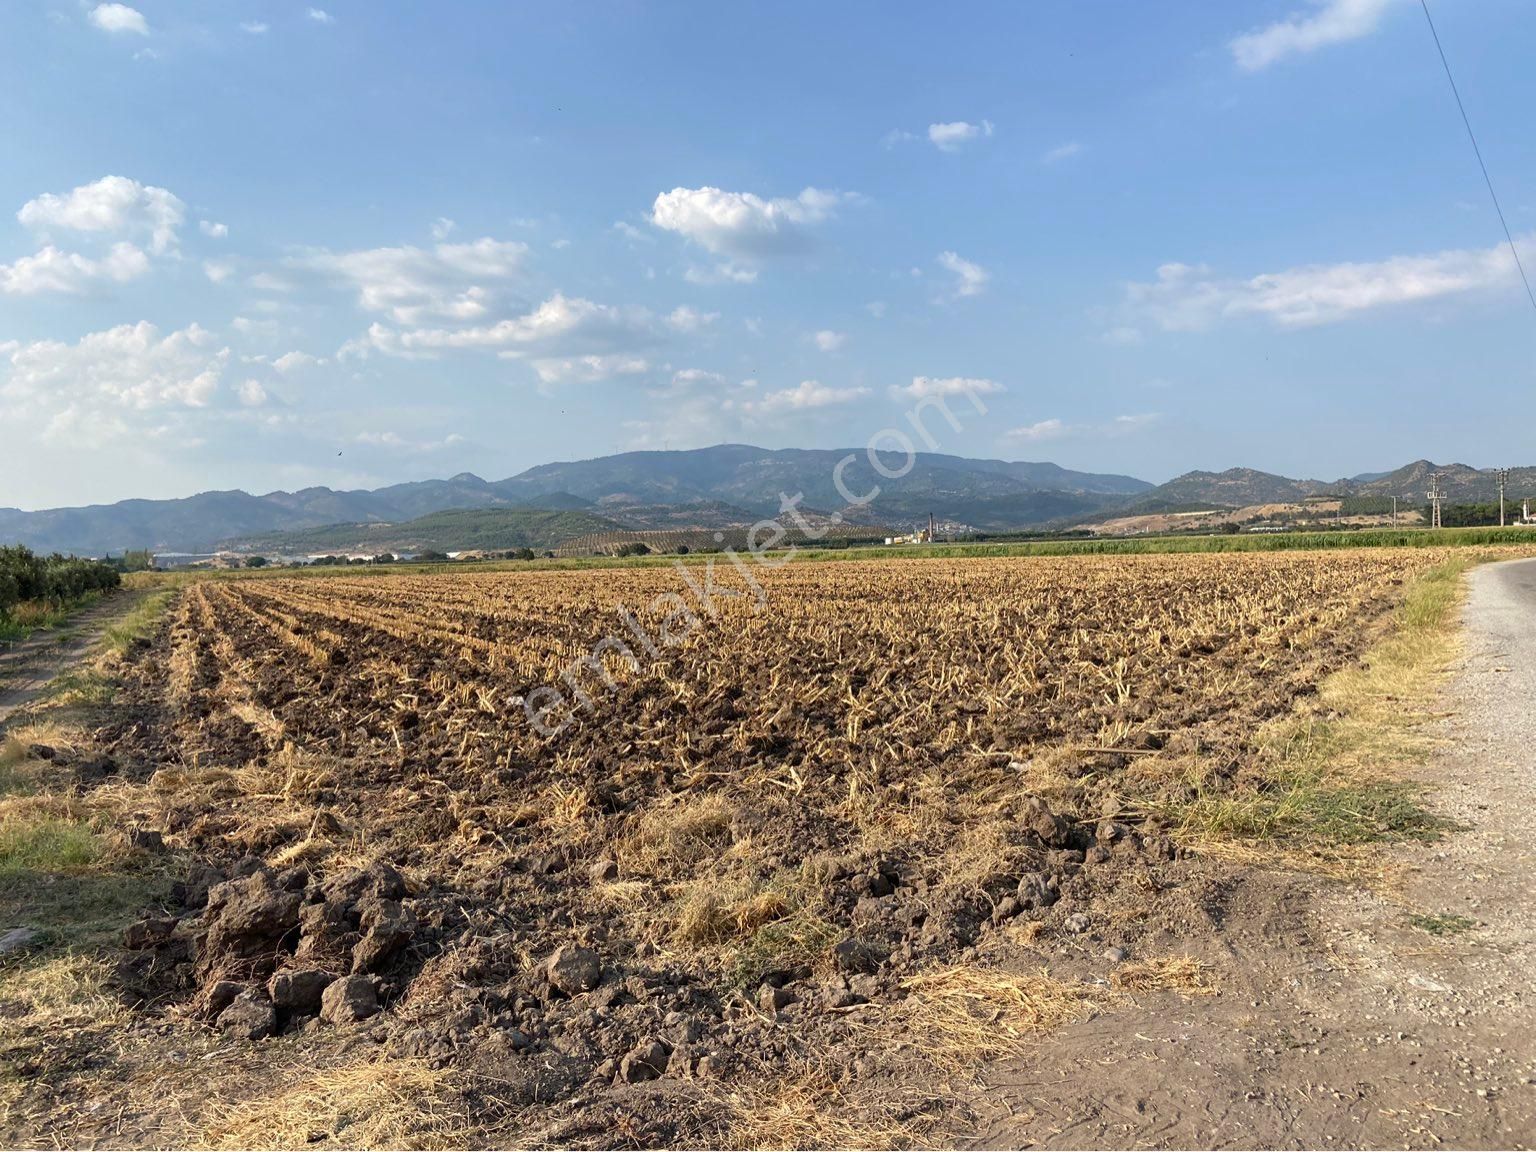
(829, 341)
(113, 205)
(118, 18)
(253, 28)
(685, 378)
(1331, 22)
(742, 225)
(723, 273)
(1035, 433)
(218, 271)
(589, 369)
(321, 16)
(411, 284)
(1190, 298)
(1060, 430)
(876, 308)
(397, 442)
(442, 228)
(96, 383)
(251, 393)
(684, 318)
(51, 270)
(213, 230)
(953, 136)
(806, 395)
(295, 361)
(1062, 152)
(970, 279)
(927, 387)
(260, 329)
(561, 327)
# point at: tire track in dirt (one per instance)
(29, 667)
(1346, 1018)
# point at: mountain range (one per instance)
(709, 486)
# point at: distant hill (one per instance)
(456, 530)
(752, 481)
(728, 486)
(1234, 488)
(1243, 487)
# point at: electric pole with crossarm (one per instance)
(1503, 484)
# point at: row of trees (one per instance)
(1473, 515)
(55, 580)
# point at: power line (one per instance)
(1472, 136)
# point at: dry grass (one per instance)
(63, 992)
(368, 1104)
(1182, 974)
(809, 1108)
(669, 839)
(1334, 777)
(966, 1013)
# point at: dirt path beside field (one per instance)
(1345, 1018)
(29, 666)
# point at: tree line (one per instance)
(54, 580)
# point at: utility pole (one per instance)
(1436, 494)
(1394, 511)
(1503, 484)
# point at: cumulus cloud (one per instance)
(253, 28)
(933, 387)
(1035, 433)
(1189, 298)
(1330, 22)
(1054, 429)
(218, 271)
(589, 369)
(113, 205)
(119, 18)
(807, 394)
(213, 230)
(399, 443)
(251, 393)
(829, 341)
(295, 361)
(561, 327)
(953, 136)
(442, 228)
(726, 272)
(103, 379)
(970, 279)
(412, 284)
(321, 16)
(684, 318)
(742, 225)
(51, 270)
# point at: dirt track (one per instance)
(1340, 1022)
(28, 667)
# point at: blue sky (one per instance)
(261, 245)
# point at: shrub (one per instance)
(54, 580)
